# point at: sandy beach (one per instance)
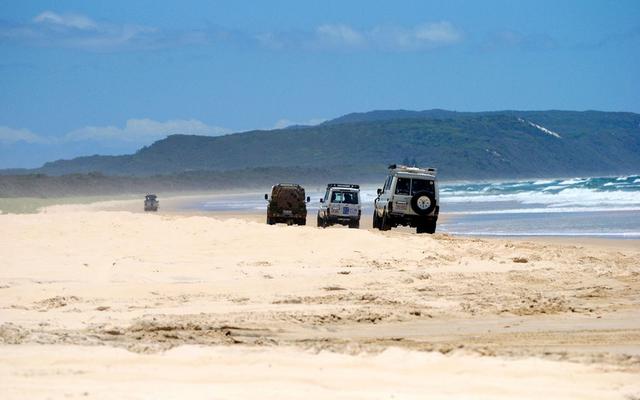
(101, 301)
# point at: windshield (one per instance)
(344, 197)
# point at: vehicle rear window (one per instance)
(344, 197)
(421, 185)
(403, 186)
(409, 187)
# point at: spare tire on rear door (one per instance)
(423, 203)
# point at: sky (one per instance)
(81, 78)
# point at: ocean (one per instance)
(596, 206)
(582, 206)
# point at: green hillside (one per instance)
(460, 145)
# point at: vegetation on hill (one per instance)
(461, 145)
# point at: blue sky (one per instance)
(81, 78)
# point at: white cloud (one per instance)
(145, 131)
(136, 131)
(316, 121)
(65, 20)
(341, 35)
(78, 31)
(382, 37)
(270, 40)
(425, 36)
(10, 135)
(507, 39)
(283, 123)
(438, 33)
(69, 30)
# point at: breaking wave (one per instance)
(596, 193)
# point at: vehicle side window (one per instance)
(326, 196)
(387, 184)
(403, 186)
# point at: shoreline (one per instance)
(593, 208)
(177, 206)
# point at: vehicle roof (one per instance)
(396, 168)
(291, 185)
(405, 174)
(342, 189)
(343, 185)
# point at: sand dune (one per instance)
(120, 304)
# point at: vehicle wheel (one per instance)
(422, 203)
(376, 220)
(320, 223)
(426, 227)
(354, 225)
(385, 224)
(270, 221)
(302, 221)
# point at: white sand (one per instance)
(277, 373)
(124, 305)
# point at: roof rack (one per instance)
(288, 184)
(344, 185)
(404, 168)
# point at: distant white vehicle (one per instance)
(409, 197)
(340, 205)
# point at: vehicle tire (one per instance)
(385, 224)
(302, 221)
(354, 225)
(320, 223)
(376, 220)
(270, 221)
(426, 227)
(423, 203)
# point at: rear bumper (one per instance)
(282, 217)
(344, 220)
(413, 219)
(408, 213)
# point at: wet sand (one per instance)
(114, 304)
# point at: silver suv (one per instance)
(409, 198)
(340, 205)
